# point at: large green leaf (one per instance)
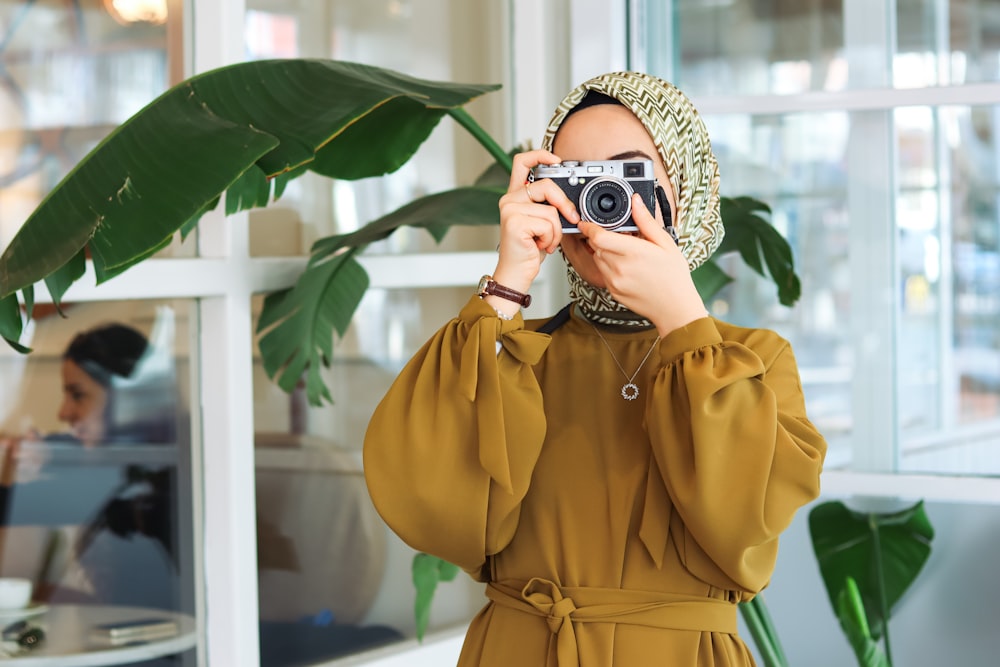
(882, 552)
(298, 323)
(436, 213)
(165, 165)
(759, 244)
(427, 572)
(327, 294)
(11, 322)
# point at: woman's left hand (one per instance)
(647, 274)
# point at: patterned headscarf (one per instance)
(681, 139)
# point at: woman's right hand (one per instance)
(529, 222)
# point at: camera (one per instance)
(602, 190)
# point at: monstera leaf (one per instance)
(881, 552)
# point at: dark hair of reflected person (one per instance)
(107, 351)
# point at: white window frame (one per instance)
(869, 26)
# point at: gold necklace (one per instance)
(630, 391)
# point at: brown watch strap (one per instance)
(489, 286)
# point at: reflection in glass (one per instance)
(72, 73)
(95, 481)
(331, 573)
(950, 319)
(747, 47)
(946, 42)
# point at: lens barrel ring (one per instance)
(600, 187)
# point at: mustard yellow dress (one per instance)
(612, 533)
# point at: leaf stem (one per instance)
(764, 635)
(880, 576)
(463, 118)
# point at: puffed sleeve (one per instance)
(450, 449)
(733, 448)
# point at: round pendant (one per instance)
(630, 392)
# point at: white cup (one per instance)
(15, 592)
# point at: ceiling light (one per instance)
(137, 11)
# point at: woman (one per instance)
(620, 480)
(107, 396)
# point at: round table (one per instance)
(68, 641)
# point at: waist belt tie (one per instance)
(563, 606)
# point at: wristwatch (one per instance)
(489, 286)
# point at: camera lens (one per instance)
(606, 201)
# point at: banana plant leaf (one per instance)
(297, 325)
(882, 552)
(436, 213)
(298, 322)
(11, 321)
(240, 127)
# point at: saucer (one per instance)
(33, 609)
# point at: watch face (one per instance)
(484, 283)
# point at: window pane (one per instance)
(332, 574)
(395, 36)
(72, 73)
(748, 47)
(949, 378)
(96, 473)
(794, 163)
(946, 42)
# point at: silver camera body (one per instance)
(602, 190)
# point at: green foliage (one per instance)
(763, 631)
(427, 572)
(851, 612)
(760, 245)
(244, 131)
(298, 322)
(232, 129)
(868, 561)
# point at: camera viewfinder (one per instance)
(633, 170)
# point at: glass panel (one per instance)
(95, 467)
(948, 254)
(71, 74)
(949, 377)
(416, 43)
(794, 163)
(942, 42)
(749, 47)
(333, 578)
